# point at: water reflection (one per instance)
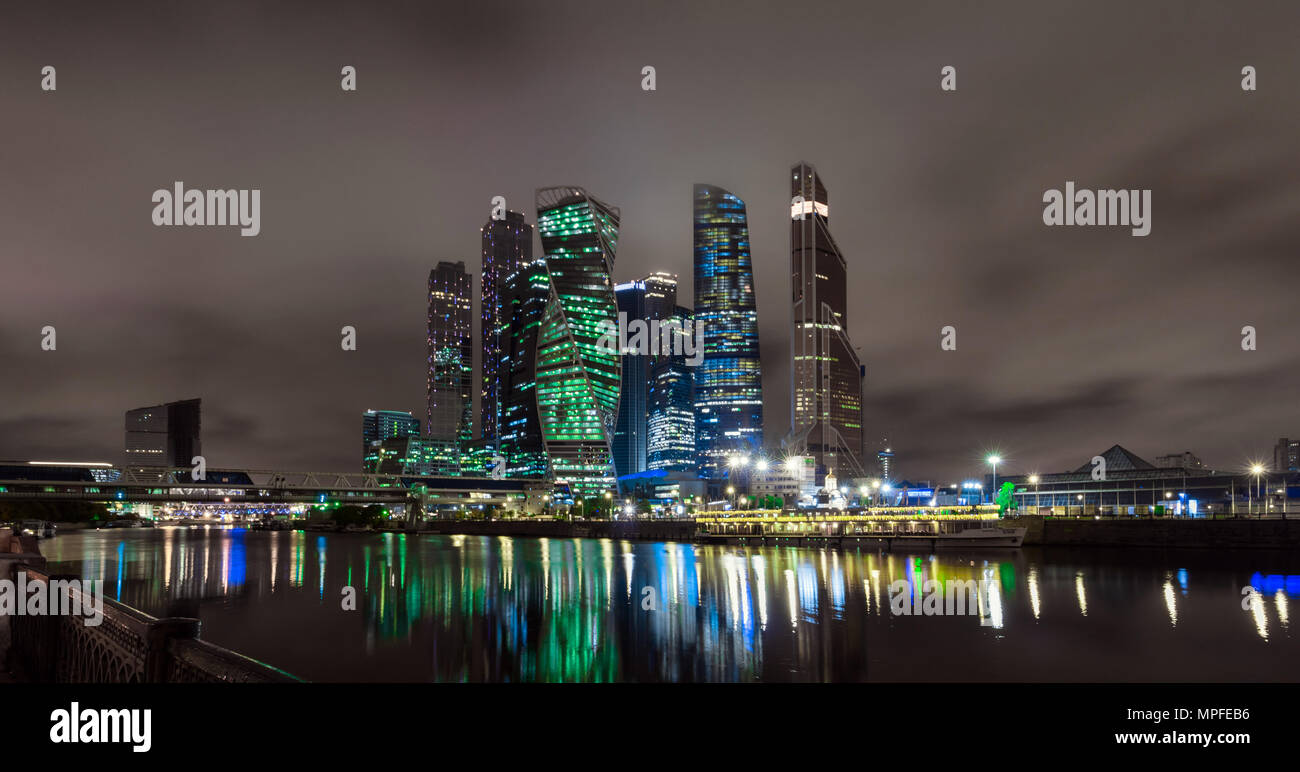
(464, 608)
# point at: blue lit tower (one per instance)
(728, 382)
(670, 429)
(653, 298)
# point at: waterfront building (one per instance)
(1184, 460)
(663, 487)
(507, 248)
(449, 386)
(826, 376)
(728, 382)
(1135, 487)
(380, 425)
(1286, 455)
(578, 379)
(527, 291)
(410, 455)
(164, 435)
(885, 461)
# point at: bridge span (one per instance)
(107, 483)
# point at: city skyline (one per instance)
(1067, 339)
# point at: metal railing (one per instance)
(128, 646)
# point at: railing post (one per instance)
(157, 660)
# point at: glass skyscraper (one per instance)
(578, 379)
(651, 298)
(380, 425)
(526, 293)
(670, 436)
(826, 376)
(507, 247)
(728, 382)
(449, 389)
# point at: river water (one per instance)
(479, 608)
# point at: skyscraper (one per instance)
(380, 425)
(507, 247)
(670, 427)
(526, 293)
(164, 435)
(577, 377)
(825, 374)
(449, 390)
(728, 382)
(653, 298)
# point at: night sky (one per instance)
(1069, 339)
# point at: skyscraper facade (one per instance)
(825, 373)
(630, 425)
(380, 425)
(527, 291)
(670, 426)
(578, 379)
(728, 383)
(507, 247)
(164, 435)
(653, 298)
(449, 389)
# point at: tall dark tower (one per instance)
(507, 248)
(653, 298)
(728, 382)
(825, 374)
(527, 291)
(449, 390)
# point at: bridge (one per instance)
(103, 482)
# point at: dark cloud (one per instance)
(1069, 339)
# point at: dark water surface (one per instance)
(478, 608)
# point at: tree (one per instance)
(1006, 499)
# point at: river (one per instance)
(476, 608)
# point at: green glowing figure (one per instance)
(1006, 499)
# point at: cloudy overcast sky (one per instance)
(1069, 339)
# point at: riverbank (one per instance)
(1240, 533)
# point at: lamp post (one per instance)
(1257, 470)
(994, 460)
(731, 491)
(610, 498)
(1033, 479)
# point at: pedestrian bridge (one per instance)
(102, 482)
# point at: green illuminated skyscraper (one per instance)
(578, 373)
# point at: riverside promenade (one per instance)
(127, 646)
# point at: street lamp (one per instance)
(994, 460)
(1257, 470)
(1033, 480)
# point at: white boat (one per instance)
(996, 536)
